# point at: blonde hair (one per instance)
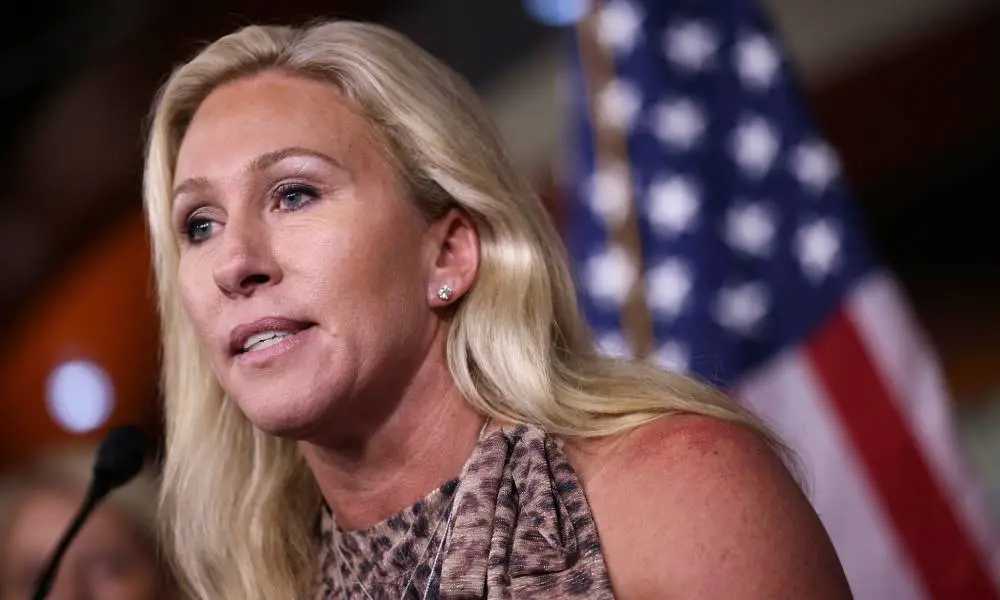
(240, 506)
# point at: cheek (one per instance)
(365, 282)
(196, 295)
(358, 259)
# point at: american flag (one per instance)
(713, 233)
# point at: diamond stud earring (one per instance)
(444, 293)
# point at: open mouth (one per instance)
(266, 334)
(259, 341)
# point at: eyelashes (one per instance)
(201, 224)
(294, 196)
(198, 229)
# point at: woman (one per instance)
(377, 379)
(115, 555)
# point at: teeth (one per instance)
(262, 340)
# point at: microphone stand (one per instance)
(94, 496)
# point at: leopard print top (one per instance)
(514, 524)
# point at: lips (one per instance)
(262, 333)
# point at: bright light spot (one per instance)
(80, 396)
(558, 13)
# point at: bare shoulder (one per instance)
(693, 507)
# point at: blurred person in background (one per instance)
(114, 557)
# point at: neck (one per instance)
(423, 443)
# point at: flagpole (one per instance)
(611, 152)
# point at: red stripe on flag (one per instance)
(948, 563)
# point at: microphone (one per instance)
(120, 457)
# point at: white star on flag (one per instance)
(668, 286)
(741, 308)
(618, 104)
(751, 228)
(618, 26)
(691, 45)
(680, 123)
(817, 246)
(756, 61)
(755, 145)
(613, 345)
(673, 204)
(609, 193)
(672, 356)
(610, 276)
(815, 165)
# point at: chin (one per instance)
(284, 414)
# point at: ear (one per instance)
(456, 258)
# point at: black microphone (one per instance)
(120, 458)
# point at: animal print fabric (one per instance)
(522, 528)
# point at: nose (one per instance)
(245, 262)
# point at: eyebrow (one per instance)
(258, 164)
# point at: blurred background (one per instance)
(907, 91)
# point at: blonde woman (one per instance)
(378, 383)
(114, 557)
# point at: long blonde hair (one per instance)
(240, 505)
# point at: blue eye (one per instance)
(294, 197)
(198, 229)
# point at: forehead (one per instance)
(251, 116)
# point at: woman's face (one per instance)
(108, 560)
(309, 278)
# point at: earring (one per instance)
(444, 293)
